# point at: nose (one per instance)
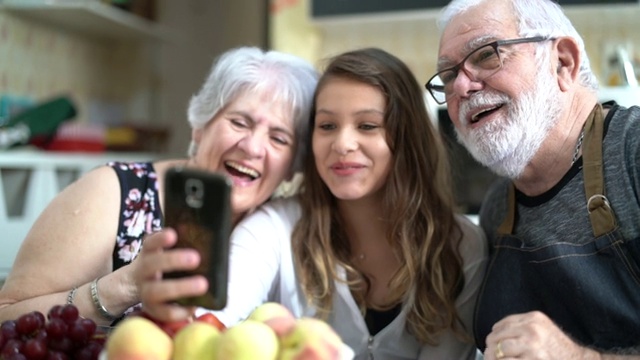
(254, 144)
(344, 142)
(465, 84)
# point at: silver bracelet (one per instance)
(96, 301)
(71, 295)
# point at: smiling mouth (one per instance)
(238, 170)
(486, 112)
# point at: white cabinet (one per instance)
(29, 180)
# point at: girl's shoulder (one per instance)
(474, 240)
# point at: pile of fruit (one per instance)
(61, 335)
(270, 332)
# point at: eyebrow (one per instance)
(445, 63)
(359, 112)
(248, 117)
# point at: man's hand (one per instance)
(533, 336)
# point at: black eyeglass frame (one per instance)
(456, 68)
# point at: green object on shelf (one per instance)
(40, 121)
(44, 119)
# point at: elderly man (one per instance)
(564, 223)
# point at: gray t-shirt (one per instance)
(560, 214)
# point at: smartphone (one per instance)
(197, 204)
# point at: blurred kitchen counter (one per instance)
(30, 179)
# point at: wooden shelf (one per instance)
(90, 17)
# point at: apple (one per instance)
(269, 310)
(248, 340)
(170, 327)
(196, 341)
(310, 339)
(281, 325)
(138, 338)
(209, 318)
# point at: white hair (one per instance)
(249, 70)
(534, 18)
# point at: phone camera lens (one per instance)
(194, 190)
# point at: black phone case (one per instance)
(197, 205)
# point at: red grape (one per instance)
(16, 356)
(55, 312)
(63, 344)
(95, 347)
(56, 328)
(56, 355)
(3, 340)
(42, 334)
(62, 335)
(13, 346)
(83, 354)
(8, 329)
(35, 349)
(77, 334)
(40, 318)
(27, 324)
(69, 314)
(89, 326)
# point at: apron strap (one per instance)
(509, 221)
(600, 213)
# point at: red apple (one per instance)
(311, 339)
(209, 318)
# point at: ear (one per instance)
(569, 59)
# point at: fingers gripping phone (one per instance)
(197, 205)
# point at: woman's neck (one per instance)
(364, 222)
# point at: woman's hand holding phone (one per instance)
(157, 294)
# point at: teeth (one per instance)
(474, 118)
(243, 169)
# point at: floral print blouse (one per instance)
(140, 212)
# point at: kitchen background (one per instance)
(130, 67)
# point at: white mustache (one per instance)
(481, 99)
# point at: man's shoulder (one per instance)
(625, 117)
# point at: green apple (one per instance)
(310, 339)
(248, 340)
(269, 310)
(198, 340)
(137, 338)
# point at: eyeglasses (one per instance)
(480, 64)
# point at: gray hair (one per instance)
(250, 70)
(534, 18)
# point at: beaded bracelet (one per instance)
(96, 301)
(71, 295)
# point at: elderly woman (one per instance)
(246, 120)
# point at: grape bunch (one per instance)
(64, 335)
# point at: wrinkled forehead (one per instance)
(481, 24)
(273, 96)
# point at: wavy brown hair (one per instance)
(417, 198)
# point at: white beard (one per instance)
(506, 145)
